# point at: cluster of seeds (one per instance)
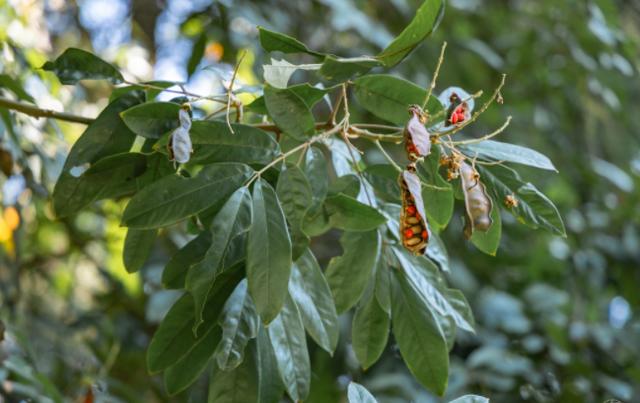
(413, 224)
(458, 110)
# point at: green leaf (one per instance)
(389, 97)
(137, 247)
(289, 342)
(174, 198)
(14, 85)
(384, 179)
(315, 169)
(470, 399)
(369, 331)
(213, 142)
(152, 119)
(534, 209)
(233, 220)
(268, 252)
(239, 385)
(349, 274)
(421, 341)
(289, 112)
(348, 214)
(174, 338)
(75, 64)
(309, 289)
(423, 276)
(382, 287)
(275, 41)
(340, 69)
(107, 135)
(310, 95)
(359, 394)
(488, 242)
(111, 177)
(421, 26)
(240, 323)
(187, 369)
(196, 53)
(498, 151)
(294, 193)
(270, 386)
(438, 203)
(279, 72)
(175, 272)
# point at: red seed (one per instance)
(411, 210)
(454, 118)
(461, 117)
(425, 234)
(408, 233)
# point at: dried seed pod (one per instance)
(510, 201)
(477, 203)
(413, 224)
(416, 137)
(180, 147)
(458, 110)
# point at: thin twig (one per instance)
(435, 75)
(387, 156)
(230, 90)
(32, 110)
(366, 134)
(294, 150)
(182, 92)
(485, 137)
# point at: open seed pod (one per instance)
(413, 222)
(477, 203)
(416, 137)
(180, 147)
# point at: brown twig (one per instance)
(32, 110)
(230, 91)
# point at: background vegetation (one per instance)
(557, 318)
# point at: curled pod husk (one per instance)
(458, 110)
(413, 222)
(180, 147)
(416, 137)
(478, 204)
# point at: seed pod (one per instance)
(416, 137)
(413, 225)
(477, 203)
(458, 110)
(180, 147)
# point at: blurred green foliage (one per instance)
(557, 318)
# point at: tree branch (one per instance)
(32, 110)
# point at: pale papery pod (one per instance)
(185, 119)
(478, 204)
(415, 188)
(181, 145)
(417, 134)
